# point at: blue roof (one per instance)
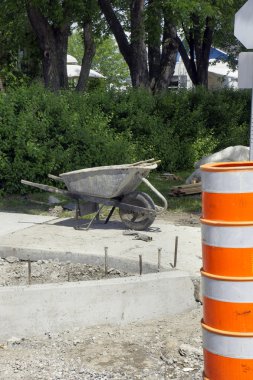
(214, 54)
(217, 54)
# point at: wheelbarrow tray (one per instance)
(106, 181)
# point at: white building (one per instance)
(219, 73)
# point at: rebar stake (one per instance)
(175, 253)
(29, 272)
(140, 264)
(106, 261)
(159, 259)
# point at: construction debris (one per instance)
(137, 235)
(194, 188)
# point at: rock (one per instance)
(14, 341)
(188, 369)
(56, 211)
(197, 289)
(188, 350)
(12, 259)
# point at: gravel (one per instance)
(15, 272)
(166, 349)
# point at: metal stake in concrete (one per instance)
(29, 272)
(106, 261)
(140, 264)
(159, 259)
(175, 253)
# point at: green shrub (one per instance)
(43, 132)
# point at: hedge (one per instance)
(42, 132)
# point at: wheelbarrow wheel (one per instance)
(136, 220)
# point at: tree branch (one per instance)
(89, 52)
(116, 28)
(191, 69)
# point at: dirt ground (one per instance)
(181, 218)
(166, 349)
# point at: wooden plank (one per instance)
(191, 189)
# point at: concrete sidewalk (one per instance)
(40, 237)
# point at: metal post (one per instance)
(159, 259)
(140, 264)
(106, 261)
(175, 253)
(29, 272)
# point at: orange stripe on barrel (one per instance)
(228, 316)
(227, 207)
(228, 261)
(222, 368)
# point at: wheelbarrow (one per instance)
(113, 186)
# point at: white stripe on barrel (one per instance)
(227, 237)
(228, 346)
(227, 182)
(228, 291)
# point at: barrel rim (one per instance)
(232, 166)
(226, 333)
(223, 223)
(225, 278)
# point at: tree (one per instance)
(203, 23)
(52, 38)
(152, 69)
(164, 27)
(51, 22)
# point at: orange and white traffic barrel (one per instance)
(227, 274)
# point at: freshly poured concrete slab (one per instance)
(58, 239)
(11, 222)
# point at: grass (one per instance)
(37, 202)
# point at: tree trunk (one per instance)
(154, 15)
(139, 67)
(135, 54)
(53, 43)
(152, 70)
(89, 52)
(168, 58)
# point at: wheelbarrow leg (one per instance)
(90, 223)
(110, 214)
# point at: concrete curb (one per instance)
(36, 309)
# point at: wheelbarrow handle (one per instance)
(163, 199)
(142, 162)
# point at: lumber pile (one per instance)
(194, 188)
